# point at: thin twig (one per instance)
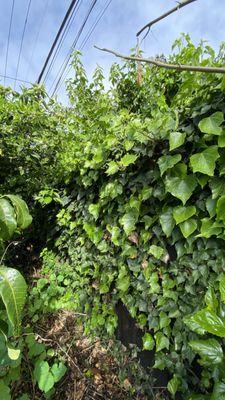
(162, 64)
(180, 5)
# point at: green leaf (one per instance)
(162, 342)
(123, 280)
(220, 209)
(148, 342)
(167, 222)
(211, 125)
(173, 385)
(23, 216)
(222, 288)
(221, 140)
(209, 228)
(4, 391)
(128, 222)
(182, 188)
(211, 300)
(211, 206)
(43, 376)
(217, 186)
(156, 251)
(58, 370)
(218, 391)
(188, 227)
(13, 290)
(128, 159)
(8, 222)
(167, 162)
(210, 350)
(205, 161)
(94, 210)
(13, 353)
(181, 214)
(176, 139)
(113, 167)
(210, 322)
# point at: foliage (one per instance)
(132, 182)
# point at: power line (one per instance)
(67, 59)
(87, 37)
(99, 17)
(13, 79)
(64, 35)
(21, 44)
(9, 34)
(37, 37)
(72, 4)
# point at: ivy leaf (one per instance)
(217, 186)
(210, 322)
(218, 391)
(211, 300)
(162, 342)
(173, 385)
(94, 210)
(221, 140)
(211, 125)
(13, 353)
(43, 376)
(205, 161)
(167, 162)
(209, 228)
(188, 227)
(220, 209)
(210, 350)
(58, 370)
(23, 216)
(156, 251)
(181, 214)
(167, 222)
(211, 206)
(128, 159)
(182, 188)
(13, 290)
(148, 342)
(128, 222)
(8, 222)
(113, 167)
(123, 280)
(176, 139)
(222, 288)
(5, 391)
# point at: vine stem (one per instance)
(161, 64)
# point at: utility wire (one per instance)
(37, 37)
(9, 35)
(67, 59)
(21, 44)
(63, 37)
(65, 19)
(87, 37)
(13, 79)
(99, 17)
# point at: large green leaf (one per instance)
(23, 216)
(176, 139)
(13, 290)
(181, 214)
(205, 161)
(8, 223)
(182, 188)
(210, 228)
(210, 322)
(167, 162)
(222, 287)
(162, 342)
(188, 227)
(167, 222)
(128, 222)
(128, 159)
(43, 376)
(211, 125)
(218, 391)
(148, 342)
(220, 209)
(210, 350)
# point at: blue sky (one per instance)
(204, 19)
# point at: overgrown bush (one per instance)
(139, 195)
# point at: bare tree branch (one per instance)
(161, 64)
(180, 5)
